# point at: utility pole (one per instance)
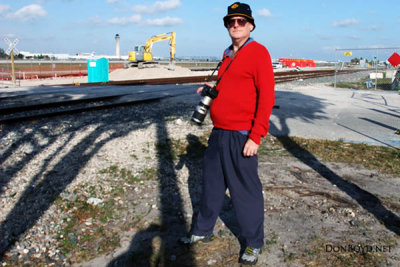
(13, 67)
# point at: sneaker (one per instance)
(250, 256)
(193, 239)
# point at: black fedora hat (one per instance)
(239, 9)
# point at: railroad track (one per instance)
(68, 98)
(280, 77)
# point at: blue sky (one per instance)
(288, 28)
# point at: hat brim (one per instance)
(251, 19)
(238, 14)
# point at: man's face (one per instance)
(239, 27)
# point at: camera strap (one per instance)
(227, 67)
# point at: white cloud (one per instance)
(4, 8)
(354, 37)
(112, 1)
(157, 7)
(167, 21)
(264, 13)
(372, 28)
(125, 20)
(345, 23)
(26, 13)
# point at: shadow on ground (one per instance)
(156, 245)
(365, 199)
(51, 180)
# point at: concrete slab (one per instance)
(322, 112)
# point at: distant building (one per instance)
(29, 55)
(79, 56)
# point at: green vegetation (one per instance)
(3, 55)
(83, 232)
(90, 229)
(383, 159)
(382, 84)
(272, 239)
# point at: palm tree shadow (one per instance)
(365, 199)
(50, 181)
(9, 171)
(39, 195)
(142, 250)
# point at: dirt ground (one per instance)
(316, 214)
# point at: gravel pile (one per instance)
(158, 72)
(119, 75)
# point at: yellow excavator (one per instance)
(142, 57)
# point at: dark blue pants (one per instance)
(226, 167)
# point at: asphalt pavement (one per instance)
(323, 112)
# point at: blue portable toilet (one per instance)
(98, 70)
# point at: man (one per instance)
(240, 116)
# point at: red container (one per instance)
(294, 63)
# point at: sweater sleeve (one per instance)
(265, 83)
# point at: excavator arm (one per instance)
(143, 54)
(148, 47)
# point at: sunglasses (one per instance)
(241, 22)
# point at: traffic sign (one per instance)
(12, 49)
(348, 54)
(11, 46)
(394, 59)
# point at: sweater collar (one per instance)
(228, 52)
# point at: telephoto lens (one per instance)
(208, 95)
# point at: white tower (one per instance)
(117, 53)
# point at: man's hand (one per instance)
(201, 88)
(250, 148)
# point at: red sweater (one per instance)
(245, 92)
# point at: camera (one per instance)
(208, 95)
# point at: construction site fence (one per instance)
(37, 69)
(41, 69)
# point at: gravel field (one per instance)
(59, 174)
